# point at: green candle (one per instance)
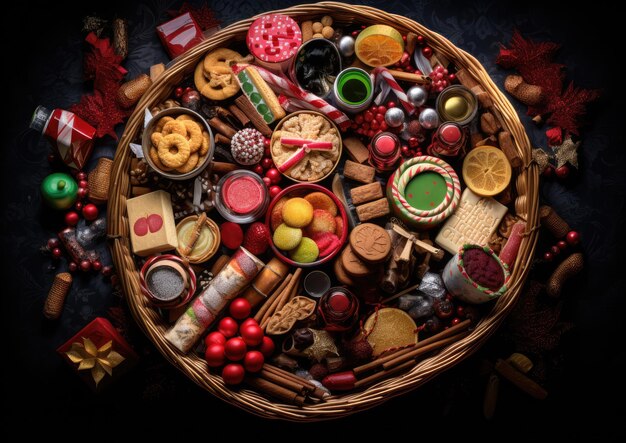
(59, 190)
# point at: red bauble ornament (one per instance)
(246, 322)
(266, 142)
(85, 266)
(267, 347)
(78, 206)
(90, 212)
(235, 349)
(253, 361)
(96, 265)
(455, 321)
(83, 184)
(56, 253)
(240, 308)
(427, 51)
(73, 267)
(274, 191)
(252, 335)
(53, 243)
(214, 355)
(572, 238)
(214, 337)
(233, 373)
(72, 218)
(274, 175)
(561, 172)
(228, 327)
(82, 193)
(555, 250)
(178, 92)
(81, 176)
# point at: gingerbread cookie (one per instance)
(370, 243)
(353, 265)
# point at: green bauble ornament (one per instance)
(59, 190)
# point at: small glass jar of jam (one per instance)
(338, 309)
(384, 151)
(241, 196)
(447, 140)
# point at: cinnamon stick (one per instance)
(400, 294)
(292, 289)
(409, 77)
(223, 167)
(520, 380)
(383, 374)
(256, 118)
(190, 242)
(313, 390)
(410, 356)
(239, 114)
(221, 139)
(282, 299)
(222, 127)
(285, 382)
(443, 334)
(275, 390)
(270, 300)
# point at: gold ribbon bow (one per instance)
(101, 360)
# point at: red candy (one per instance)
(232, 235)
(240, 308)
(228, 327)
(341, 381)
(253, 361)
(267, 347)
(72, 218)
(214, 355)
(214, 337)
(235, 349)
(252, 335)
(233, 373)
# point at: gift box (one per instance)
(179, 34)
(99, 354)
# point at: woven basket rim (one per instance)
(149, 320)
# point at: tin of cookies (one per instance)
(353, 265)
(370, 243)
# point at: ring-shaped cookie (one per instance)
(154, 156)
(174, 150)
(190, 165)
(194, 133)
(162, 121)
(175, 127)
(204, 148)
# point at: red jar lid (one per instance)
(385, 145)
(339, 302)
(450, 133)
(243, 194)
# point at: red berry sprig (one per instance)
(571, 239)
(370, 122)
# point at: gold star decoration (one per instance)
(542, 158)
(323, 346)
(101, 360)
(567, 153)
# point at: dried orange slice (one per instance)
(379, 45)
(486, 171)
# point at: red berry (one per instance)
(252, 335)
(421, 40)
(572, 238)
(427, 51)
(443, 308)
(267, 152)
(73, 267)
(383, 126)
(246, 322)
(253, 361)
(259, 169)
(555, 250)
(228, 327)
(405, 151)
(562, 245)
(52, 158)
(455, 321)
(85, 266)
(452, 78)
(267, 347)
(460, 311)
(548, 171)
(359, 119)
(235, 349)
(391, 104)
(371, 133)
(90, 212)
(548, 256)
(178, 92)
(53, 243)
(214, 337)
(266, 142)
(274, 191)
(354, 33)
(274, 175)
(380, 117)
(233, 373)
(267, 163)
(365, 126)
(57, 253)
(267, 181)
(78, 206)
(188, 88)
(81, 175)
(375, 125)
(368, 116)
(107, 271)
(562, 172)
(83, 184)
(381, 110)
(82, 193)
(96, 265)
(240, 308)
(214, 355)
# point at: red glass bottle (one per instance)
(338, 309)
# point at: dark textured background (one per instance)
(42, 55)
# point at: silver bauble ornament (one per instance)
(394, 117)
(346, 46)
(417, 95)
(429, 119)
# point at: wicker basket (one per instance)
(193, 365)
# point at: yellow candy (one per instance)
(297, 212)
(286, 237)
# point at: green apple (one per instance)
(59, 190)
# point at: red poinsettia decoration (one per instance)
(100, 109)
(563, 107)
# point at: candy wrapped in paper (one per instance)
(229, 283)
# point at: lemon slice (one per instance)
(379, 45)
(486, 171)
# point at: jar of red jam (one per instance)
(447, 140)
(241, 196)
(384, 151)
(338, 309)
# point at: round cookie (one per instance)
(297, 212)
(390, 328)
(370, 243)
(319, 200)
(353, 265)
(341, 274)
(286, 238)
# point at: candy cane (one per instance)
(306, 147)
(385, 81)
(299, 97)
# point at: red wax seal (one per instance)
(450, 134)
(243, 194)
(339, 302)
(274, 38)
